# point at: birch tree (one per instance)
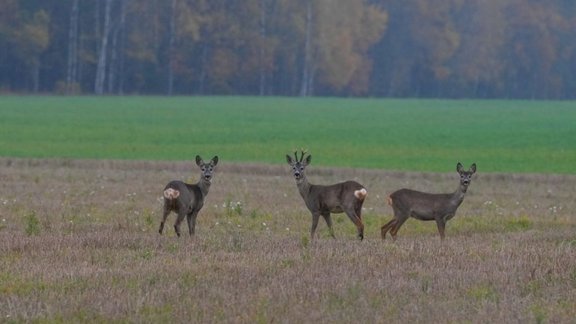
(103, 51)
(72, 64)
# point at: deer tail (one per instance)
(171, 193)
(361, 194)
(389, 200)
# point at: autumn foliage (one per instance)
(384, 48)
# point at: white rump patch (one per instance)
(171, 193)
(389, 199)
(360, 194)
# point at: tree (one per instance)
(73, 42)
(345, 31)
(535, 48)
(103, 52)
(478, 65)
(30, 40)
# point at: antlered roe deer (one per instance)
(346, 197)
(187, 199)
(426, 206)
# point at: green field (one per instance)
(418, 135)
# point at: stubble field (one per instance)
(79, 243)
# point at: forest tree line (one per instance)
(380, 48)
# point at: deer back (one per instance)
(426, 205)
(333, 197)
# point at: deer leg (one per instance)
(178, 221)
(164, 217)
(384, 229)
(441, 223)
(357, 221)
(315, 218)
(399, 222)
(191, 218)
(328, 220)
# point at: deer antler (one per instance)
(296, 155)
(303, 153)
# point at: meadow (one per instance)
(404, 135)
(81, 180)
(79, 243)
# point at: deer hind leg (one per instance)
(355, 218)
(359, 215)
(386, 227)
(164, 216)
(389, 227)
(400, 216)
(399, 222)
(178, 222)
(191, 218)
(328, 220)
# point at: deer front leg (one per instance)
(328, 220)
(441, 224)
(315, 218)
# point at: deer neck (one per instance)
(458, 195)
(303, 186)
(204, 186)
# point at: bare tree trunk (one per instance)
(122, 44)
(72, 68)
(262, 52)
(171, 49)
(202, 83)
(113, 62)
(116, 50)
(97, 30)
(36, 76)
(101, 67)
(306, 68)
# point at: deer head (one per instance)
(207, 168)
(298, 165)
(465, 176)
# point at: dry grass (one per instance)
(79, 242)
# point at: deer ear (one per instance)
(459, 167)
(289, 159)
(199, 161)
(214, 160)
(308, 159)
(473, 168)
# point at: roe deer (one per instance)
(187, 199)
(426, 206)
(346, 197)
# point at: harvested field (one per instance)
(79, 242)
